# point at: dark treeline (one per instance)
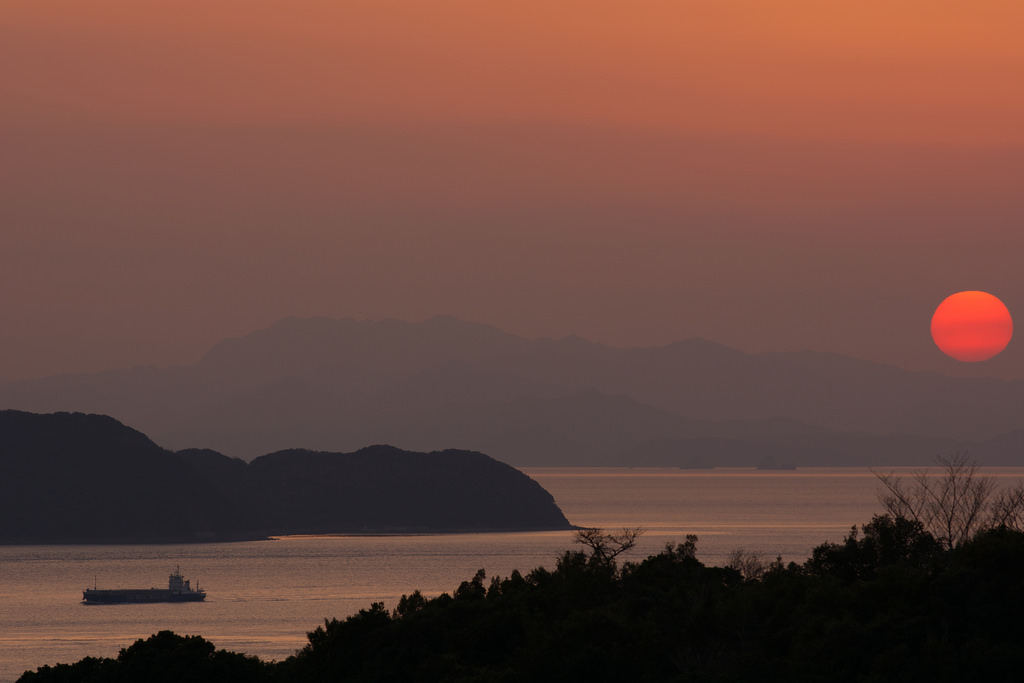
(889, 603)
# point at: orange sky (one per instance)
(768, 175)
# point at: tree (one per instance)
(886, 541)
(751, 566)
(410, 604)
(163, 657)
(1007, 509)
(954, 505)
(605, 547)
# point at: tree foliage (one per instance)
(891, 602)
(165, 657)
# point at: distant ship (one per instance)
(178, 590)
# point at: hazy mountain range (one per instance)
(340, 385)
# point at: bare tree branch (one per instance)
(1007, 509)
(954, 505)
(751, 566)
(605, 547)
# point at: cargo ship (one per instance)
(178, 589)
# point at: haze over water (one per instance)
(264, 596)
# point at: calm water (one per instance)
(264, 596)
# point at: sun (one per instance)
(972, 326)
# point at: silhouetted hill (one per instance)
(75, 477)
(337, 385)
(382, 488)
(88, 478)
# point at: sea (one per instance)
(265, 596)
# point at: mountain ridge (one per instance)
(338, 384)
(78, 478)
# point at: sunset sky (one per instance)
(769, 175)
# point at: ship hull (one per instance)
(133, 596)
